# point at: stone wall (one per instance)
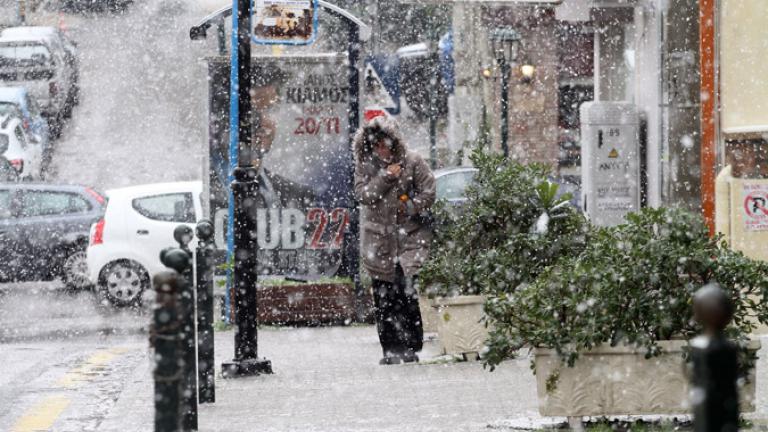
(533, 115)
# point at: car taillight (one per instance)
(95, 195)
(17, 164)
(53, 88)
(98, 233)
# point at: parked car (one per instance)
(55, 36)
(96, 5)
(39, 65)
(124, 249)
(44, 231)
(451, 184)
(25, 155)
(18, 100)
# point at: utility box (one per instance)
(610, 161)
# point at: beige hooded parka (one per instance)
(389, 234)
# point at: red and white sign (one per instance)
(755, 207)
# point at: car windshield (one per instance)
(29, 54)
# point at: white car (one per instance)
(25, 155)
(124, 248)
(57, 39)
(52, 34)
(40, 65)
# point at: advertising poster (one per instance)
(301, 145)
(289, 22)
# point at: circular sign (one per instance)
(756, 205)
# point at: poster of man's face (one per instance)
(284, 20)
(300, 146)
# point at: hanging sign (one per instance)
(284, 22)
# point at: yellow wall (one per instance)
(744, 65)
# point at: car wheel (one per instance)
(74, 270)
(122, 283)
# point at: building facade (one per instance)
(640, 51)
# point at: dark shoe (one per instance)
(410, 357)
(390, 360)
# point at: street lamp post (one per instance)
(505, 43)
(244, 187)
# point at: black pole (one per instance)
(433, 80)
(221, 36)
(244, 188)
(352, 236)
(505, 71)
(206, 389)
(715, 363)
(166, 341)
(183, 235)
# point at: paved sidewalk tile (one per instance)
(329, 379)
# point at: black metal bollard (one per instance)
(206, 389)
(183, 235)
(714, 393)
(166, 339)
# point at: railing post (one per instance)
(183, 235)
(166, 339)
(714, 390)
(206, 389)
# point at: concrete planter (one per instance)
(620, 381)
(428, 315)
(459, 325)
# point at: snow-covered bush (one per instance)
(634, 284)
(512, 226)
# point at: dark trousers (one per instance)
(398, 317)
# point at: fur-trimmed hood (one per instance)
(381, 124)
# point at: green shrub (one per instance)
(633, 283)
(512, 226)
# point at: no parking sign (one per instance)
(756, 207)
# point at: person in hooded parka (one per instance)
(396, 189)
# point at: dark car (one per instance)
(451, 184)
(96, 5)
(44, 232)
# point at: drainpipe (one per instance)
(708, 106)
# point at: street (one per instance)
(142, 113)
(73, 362)
(141, 119)
(63, 349)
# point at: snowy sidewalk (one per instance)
(329, 379)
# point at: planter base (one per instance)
(460, 325)
(620, 381)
